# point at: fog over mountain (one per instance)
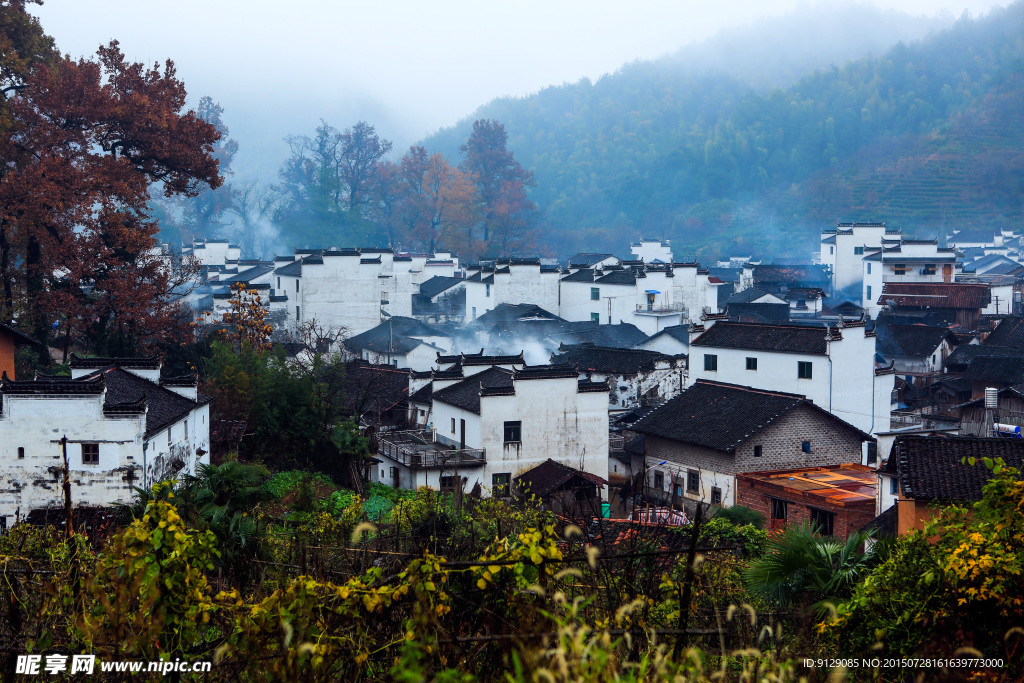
(411, 68)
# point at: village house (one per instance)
(832, 366)
(779, 279)
(915, 350)
(696, 444)
(493, 419)
(401, 342)
(562, 489)
(924, 474)
(843, 248)
(651, 296)
(836, 499)
(510, 281)
(636, 377)
(125, 425)
(905, 263)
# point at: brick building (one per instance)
(838, 499)
(696, 444)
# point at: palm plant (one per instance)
(801, 566)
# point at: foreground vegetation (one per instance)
(459, 589)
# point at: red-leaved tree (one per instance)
(82, 142)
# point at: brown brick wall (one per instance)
(847, 519)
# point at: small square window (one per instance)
(716, 495)
(595, 318)
(779, 509)
(90, 454)
(21, 452)
(805, 446)
(595, 293)
(710, 362)
(751, 364)
(501, 484)
(513, 432)
(693, 481)
(804, 369)
(757, 451)
(449, 484)
(858, 250)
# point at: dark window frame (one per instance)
(752, 363)
(758, 450)
(595, 293)
(804, 369)
(716, 495)
(779, 509)
(711, 362)
(659, 480)
(693, 481)
(90, 454)
(501, 484)
(513, 431)
(823, 520)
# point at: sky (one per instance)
(408, 67)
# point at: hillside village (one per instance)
(619, 387)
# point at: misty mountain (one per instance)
(698, 147)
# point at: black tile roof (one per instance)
(606, 360)
(718, 415)
(551, 476)
(758, 313)
(912, 341)
(52, 385)
(466, 394)
(582, 275)
(983, 363)
(512, 312)
(747, 296)
(762, 337)
(293, 268)
(620, 277)
(678, 332)
(395, 334)
(142, 363)
(799, 275)
(1009, 332)
(249, 274)
(19, 337)
(438, 284)
(164, 406)
(933, 468)
(885, 525)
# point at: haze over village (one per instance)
(706, 363)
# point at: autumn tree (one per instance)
(509, 216)
(83, 141)
(436, 202)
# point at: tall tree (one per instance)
(82, 143)
(502, 182)
(203, 216)
(330, 183)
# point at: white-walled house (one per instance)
(510, 281)
(636, 377)
(843, 249)
(650, 296)
(494, 424)
(905, 261)
(833, 367)
(696, 444)
(652, 251)
(125, 426)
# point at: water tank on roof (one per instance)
(991, 397)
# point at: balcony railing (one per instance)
(616, 442)
(420, 450)
(660, 309)
(913, 276)
(904, 418)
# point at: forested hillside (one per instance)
(926, 136)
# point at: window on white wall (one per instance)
(804, 369)
(693, 481)
(90, 454)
